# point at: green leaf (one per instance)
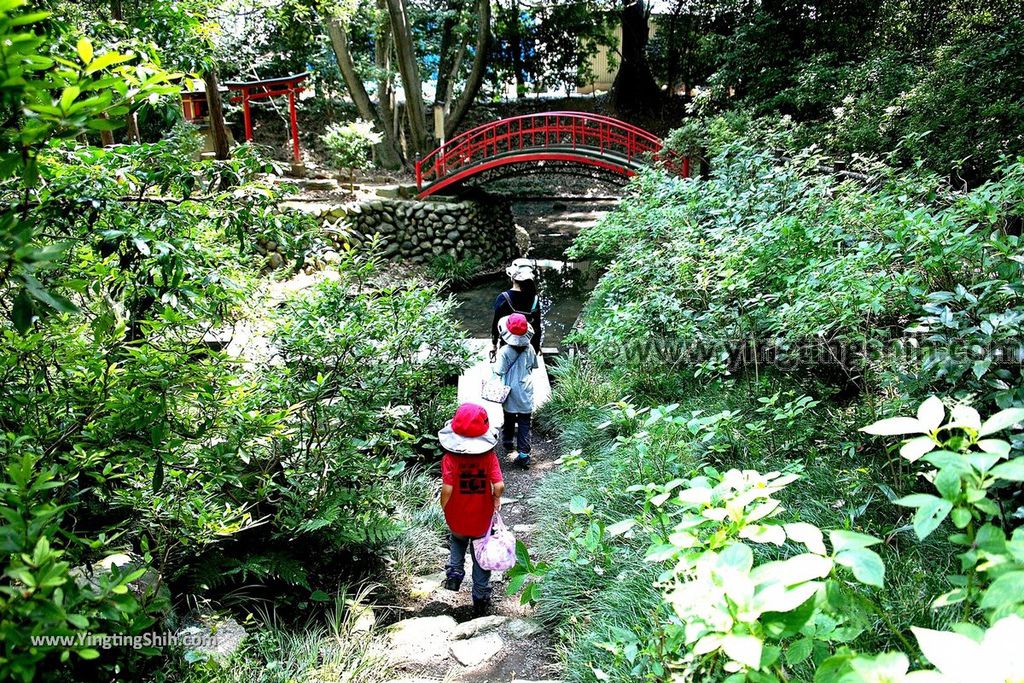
(780, 625)
(799, 651)
(620, 528)
(894, 426)
(1002, 420)
(930, 512)
(842, 539)
(54, 301)
(88, 653)
(84, 49)
(578, 505)
(68, 96)
(516, 582)
(866, 565)
(78, 621)
(1012, 470)
(1007, 590)
(158, 475)
(948, 483)
(961, 517)
(523, 556)
(22, 312)
(107, 59)
(745, 650)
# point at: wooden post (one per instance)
(246, 114)
(215, 115)
(295, 125)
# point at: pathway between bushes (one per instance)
(444, 643)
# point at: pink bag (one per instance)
(496, 551)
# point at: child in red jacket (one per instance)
(470, 494)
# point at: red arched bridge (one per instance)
(561, 136)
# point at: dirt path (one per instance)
(526, 651)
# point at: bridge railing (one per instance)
(572, 131)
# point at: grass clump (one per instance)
(343, 645)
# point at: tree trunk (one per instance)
(215, 115)
(106, 136)
(387, 150)
(409, 70)
(383, 48)
(453, 74)
(447, 55)
(132, 128)
(476, 74)
(634, 89)
(516, 43)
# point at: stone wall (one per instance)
(420, 231)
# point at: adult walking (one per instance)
(521, 298)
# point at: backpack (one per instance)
(508, 300)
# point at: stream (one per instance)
(563, 285)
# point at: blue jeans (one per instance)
(457, 562)
(517, 426)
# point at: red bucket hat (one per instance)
(517, 324)
(515, 329)
(469, 431)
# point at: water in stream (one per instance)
(563, 288)
(563, 285)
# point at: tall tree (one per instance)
(388, 152)
(397, 43)
(635, 89)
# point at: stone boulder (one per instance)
(478, 650)
(524, 628)
(215, 638)
(421, 641)
(476, 627)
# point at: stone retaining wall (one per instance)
(420, 231)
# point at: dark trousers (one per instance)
(517, 427)
(457, 546)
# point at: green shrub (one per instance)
(345, 644)
(160, 399)
(455, 270)
(713, 290)
(349, 143)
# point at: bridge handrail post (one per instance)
(419, 172)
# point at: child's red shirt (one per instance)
(471, 506)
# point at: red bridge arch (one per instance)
(565, 136)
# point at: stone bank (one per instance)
(420, 231)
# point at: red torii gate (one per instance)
(265, 89)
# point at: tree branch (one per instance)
(409, 70)
(390, 157)
(476, 74)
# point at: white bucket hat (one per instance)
(469, 432)
(521, 269)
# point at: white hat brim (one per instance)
(467, 445)
(514, 339)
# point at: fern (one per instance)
(375, 531)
